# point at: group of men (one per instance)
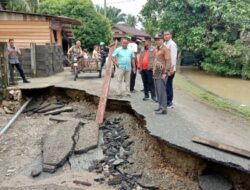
(157, 66)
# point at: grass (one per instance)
(210, 98)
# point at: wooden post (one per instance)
(221, 146)
(59, 37)
(3, 69)
(33, 59)
(105, 87)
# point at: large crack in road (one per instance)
(157, 165)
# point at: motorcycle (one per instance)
(76, 64)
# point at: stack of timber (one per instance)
(1, 79)
(3, 70)
(49, 60)
(26, 62)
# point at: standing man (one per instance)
(124, 59)
(104, 51)
(173, 52)
(133, 47)
(146, 65)
(161, 68)
(13, 54)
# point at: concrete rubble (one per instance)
(212, 182)
(58, 145)
(87, 137)
(116, 168)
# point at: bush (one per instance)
(228, 59)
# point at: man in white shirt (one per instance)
(133, 46)
(173, 52)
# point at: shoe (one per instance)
(170, 105)
(161, 112)
(154, 99)
(128, 94)
(13, 83)
(26, 81)
(158, 109)
(145, 98)
(133, 91)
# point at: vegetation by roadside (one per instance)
(217, 34)
(210, 98)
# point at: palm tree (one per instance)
(20, 5)
(131, 20)
(114, 14)
(3, 4)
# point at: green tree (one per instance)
(94, 27)
(200, 26)
(131, 20)
(114, 14)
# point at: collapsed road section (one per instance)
(57, 144)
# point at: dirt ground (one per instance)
(21, 145)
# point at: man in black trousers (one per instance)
(134, 47)
(146, 62)
(173, 51)
(14, 53)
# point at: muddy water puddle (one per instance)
(234, 89)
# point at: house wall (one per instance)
(25, 32)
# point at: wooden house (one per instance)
(122, 30)
(26, 28)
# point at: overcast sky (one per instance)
(127, 6)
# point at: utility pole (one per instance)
(105, 8)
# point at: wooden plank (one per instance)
(24, 26)
(24, 29)
(221, 146)
(27, 33)
(20, 22)
(25, 37)
(33, 58)
(105, 87)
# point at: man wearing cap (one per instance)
(161, 68)
(124, 59)
(173, 52)
(146, 64)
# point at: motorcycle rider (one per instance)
(75, 51)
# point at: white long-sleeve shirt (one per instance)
(173, 51)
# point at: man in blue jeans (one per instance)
(173, 53)
(14, 53)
